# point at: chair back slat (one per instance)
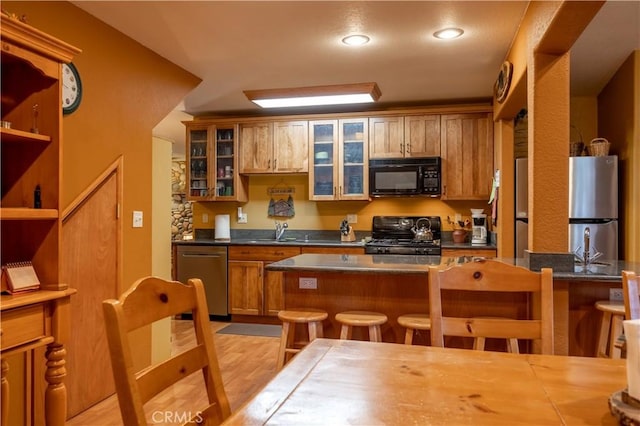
(159, 377)
(484, 275)
(148, 300)
(499, 328)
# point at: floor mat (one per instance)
(252, 330)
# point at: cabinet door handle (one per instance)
(269, 164)
(401, 147)
(275, 163)
(408, 148)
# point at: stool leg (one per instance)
(345, 332)
(375, 335)
(284, 338)
(478, 344)
(616, 331)
(315, 330)
(408, 336)
(604, 334)
(512, 346)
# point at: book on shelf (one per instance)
(19, 277)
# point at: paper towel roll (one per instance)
(632, 337)
(222, 231)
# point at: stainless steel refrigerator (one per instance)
(521, 212)
(593, 203)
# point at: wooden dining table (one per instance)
(337, 382)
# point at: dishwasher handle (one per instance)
(201, 255)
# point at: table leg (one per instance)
(55, 397)
(4, 389)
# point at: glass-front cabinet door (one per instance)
(353, 161)
(225, 162)
(212, 164)
(323, 157)
(200, 181)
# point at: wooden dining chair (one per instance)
(483, 275)
(148, 300)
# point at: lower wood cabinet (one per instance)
(332, 250)
(252, 289)
(480, 252)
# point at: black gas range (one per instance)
(411, 235)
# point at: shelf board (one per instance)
(26, 213)
(13, 135)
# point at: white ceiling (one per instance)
(240, 45)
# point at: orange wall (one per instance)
(323, 215)
(619, 123)
(128, 89)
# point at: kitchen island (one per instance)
(397, 285)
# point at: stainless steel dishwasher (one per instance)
(209, 263)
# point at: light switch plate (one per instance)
(137, 219)
(242, 218)
(352, 218)
(615, 295)
(308, 283)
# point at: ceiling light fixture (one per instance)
(356, 40)
(448, 33)
(315, 95)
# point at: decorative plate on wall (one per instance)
(501, 88)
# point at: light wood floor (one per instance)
(247, 364)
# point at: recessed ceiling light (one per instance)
(356, 40)
(448, 33)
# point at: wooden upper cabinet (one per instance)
(386, 137)
(256, 145)
(274, 147)
(291, 147)
(422, 135)
(467, 156)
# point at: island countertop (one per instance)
(401, 264)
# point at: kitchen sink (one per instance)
(592, 268)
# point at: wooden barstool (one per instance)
(413, 322)
(610, 327)
(350, 319)
(288, 345)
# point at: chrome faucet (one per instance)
(587, 241)
(280, 228)
(586, 259)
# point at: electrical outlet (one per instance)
(137, 219)
(242, 218)
(205, 218)
(615, 295)
(308, 283)
(352, 218)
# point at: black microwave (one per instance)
(405, 177)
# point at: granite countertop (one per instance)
(271, 242)
(398, 264)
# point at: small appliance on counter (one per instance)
(222, 230)
(478, 227)
(346, 232)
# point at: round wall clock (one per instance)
(501, 88)
(71, 88)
